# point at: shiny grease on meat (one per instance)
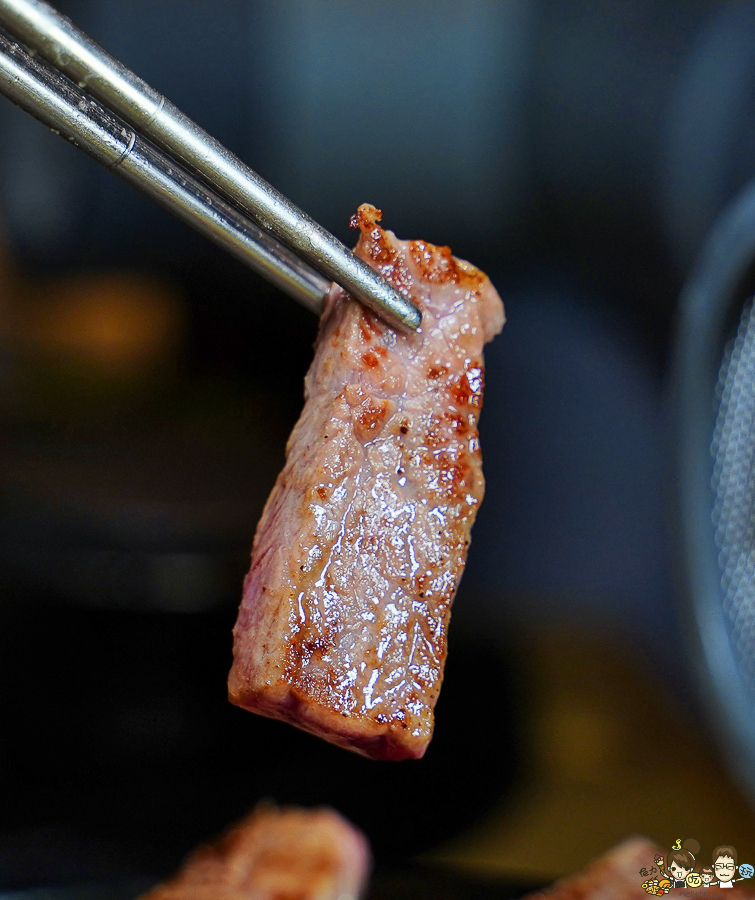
(276, 854)
(360, 548)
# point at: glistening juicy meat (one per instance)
(276, 854)
(357, 557)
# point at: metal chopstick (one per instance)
(50, 97)
(71, 51)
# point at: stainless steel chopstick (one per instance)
(50, 97)
(71, 51)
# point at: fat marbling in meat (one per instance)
(360, 548)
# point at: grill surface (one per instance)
(733, 481)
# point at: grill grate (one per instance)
(733, 481)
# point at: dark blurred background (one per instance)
(579, 153)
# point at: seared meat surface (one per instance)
(276, 854)
(357, 557)
(614, 876)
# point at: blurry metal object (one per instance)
(58, 104)
(715, 392)
(734, 485)
(708, 126)
(44, 93)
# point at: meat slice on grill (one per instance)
(276, 854)
(360, 548)
(614, 876)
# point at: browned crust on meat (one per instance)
(436, 265)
